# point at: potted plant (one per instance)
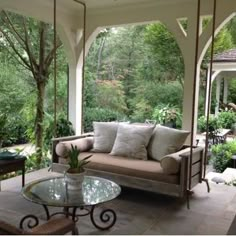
(75, 174)
(167, 115)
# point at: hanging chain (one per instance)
(194, 92)
(210, 82)
(83, 66)
(55, 66)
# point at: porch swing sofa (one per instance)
(172, 174)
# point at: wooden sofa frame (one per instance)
(188, 179)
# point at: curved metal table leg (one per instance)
(31, 221)
(74, 217)
(107, 218)
(47, 211)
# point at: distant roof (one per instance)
(226, 56)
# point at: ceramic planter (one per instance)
(74, 180)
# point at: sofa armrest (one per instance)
(185, 168)
(171, 163)
(67, 138)
(196, 150)
(55, 141)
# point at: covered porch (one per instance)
(138, 212)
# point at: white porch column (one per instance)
(189, 59)
(75, 98)
(225, 94)
(188, 99)
(75, 78)
(218, 88)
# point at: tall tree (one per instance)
(166, 52)
(31, 43)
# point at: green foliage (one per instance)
(115, 92)
(16, 131)
(167, 114)
(99, 114)
(213, 125)
(227, 119)
(76, 165)
(89, 89)
(231, 26)
(222, 154)
(3, 127)
(223, 42)
(29, 45)
(148, 94)
(142, 111)
(63, 128)
(166, 51)
(232, 91)
(32, 162)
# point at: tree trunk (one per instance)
(100, 56)
(39, 120)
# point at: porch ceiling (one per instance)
(98, 4)
(112, 12)
(68, 11)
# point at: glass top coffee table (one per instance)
(95, 191)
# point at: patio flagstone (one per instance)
(139, 212)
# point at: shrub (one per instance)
(3, 129)
(32, 162)
(99, 114)
(143, 111)
(222, 155)
(227, 119)
(16, 134)
(64, 128)
(164, 93)
(213, 124)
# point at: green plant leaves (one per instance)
(76, 163)
(222, 155)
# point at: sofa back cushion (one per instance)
(104, 136)
(164, 141)
(132, 140)
(83, 144)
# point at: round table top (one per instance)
(53, 192)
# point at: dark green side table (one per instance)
(10, 165)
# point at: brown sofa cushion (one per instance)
(171, 163)
(83, 144)
(129, 167)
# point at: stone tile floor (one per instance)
(140, 212)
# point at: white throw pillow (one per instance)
(104, 136)
(165, 140)
(132, 140)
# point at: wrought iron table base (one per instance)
(107, 217)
